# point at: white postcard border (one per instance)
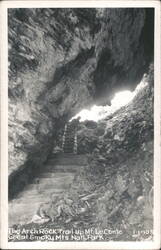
(4, 5)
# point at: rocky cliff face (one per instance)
(118, 180)
(61, 60)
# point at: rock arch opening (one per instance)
(120, 99)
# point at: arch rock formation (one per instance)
(62, 60)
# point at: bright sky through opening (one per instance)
(120, 99)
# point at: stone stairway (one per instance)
(69, 144)
(55, 179)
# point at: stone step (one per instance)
(66, 162)
(54, 180)
(75, 160)
(69, 138)
(39, 197)
(70, 128)
(69, 135)
(53, 175)
(31, 193)
(32, 200)
(18, 208)
(69, 144)
(66, 155)
(28, 193)
(68, 151)
(52, 184)
(51, 191)
(35, 189)
(30, 187)
(68, 148)
(62, 168)
(65, 171)
(42, 197)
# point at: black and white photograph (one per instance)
(81, 124)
